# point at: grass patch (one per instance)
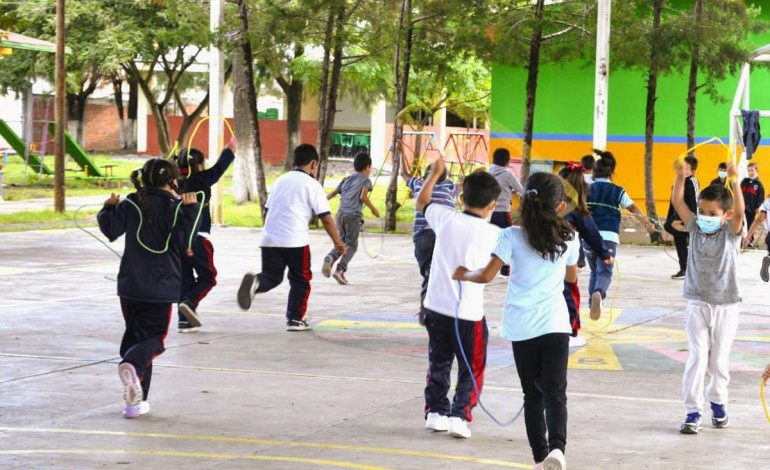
(45, 220)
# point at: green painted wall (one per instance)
(565, 100)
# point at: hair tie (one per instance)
(575, 166)
(531, 192)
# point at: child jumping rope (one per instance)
(286, 239)
(543, 254)
(354, 193)
(150, 278)
(199, 275)
(605, 201)
(711, 290)
(454, 312)
(580, 219)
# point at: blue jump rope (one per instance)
(470, 370)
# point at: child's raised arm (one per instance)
(479, 276)
(677, 197)
(365, 199)
(739, 206)
(427, 189)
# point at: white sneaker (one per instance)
(555, 461)
(132, 387)
(144, 407)
(596, 305)
(458, 427)
(437, 422)
(576, 341)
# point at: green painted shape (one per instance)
(78, 154)
(35, 162)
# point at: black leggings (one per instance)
(542, 366)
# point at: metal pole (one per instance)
(60, 91)
(601, 82)
(216, 86)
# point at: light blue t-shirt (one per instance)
(534, 301)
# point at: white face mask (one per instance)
(722, 174)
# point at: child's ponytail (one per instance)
(137, 177)
(544, 230)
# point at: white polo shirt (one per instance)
(461, 240)
(292, 201)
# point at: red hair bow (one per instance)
(575, 166)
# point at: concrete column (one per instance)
(141, 123)
(602, 79)
(216, 87)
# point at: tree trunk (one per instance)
(251, 98)
(244, 169)
(401, 66)
(133, 105)
(293, 119)
(329, 110)
(533, 68)
(692, 88)
(649, 130)
(323, 92)
(117, 90)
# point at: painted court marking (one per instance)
(257, 441)
(199, 455)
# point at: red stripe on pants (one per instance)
(478, 364)
(209, 249)
(308, 277)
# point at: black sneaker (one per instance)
(764, 273)
(187, 310)
(297, 325)
(679, 275)
(719, 417)
(691, 424)
(249, 286)
(184, 327)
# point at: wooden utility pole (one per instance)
(59, 106)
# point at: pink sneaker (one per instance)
(339, 276)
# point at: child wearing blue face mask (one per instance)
(711, 287)
(721, 175)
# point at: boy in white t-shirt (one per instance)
(286, 238)
(462, 238)
(761, 221)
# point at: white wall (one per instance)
(12, 112)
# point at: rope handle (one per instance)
(762, 386)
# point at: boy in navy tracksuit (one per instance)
(150, 275)
(199, 275)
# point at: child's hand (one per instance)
(231, 145)
(189, 198)
(340, 246)
(113, 200)
(459, 274)
(732, 171)
(766, 373)
(439, 166)
(609, 261)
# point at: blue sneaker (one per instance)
(719, 416)
(691, 424)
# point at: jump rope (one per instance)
(202, 203)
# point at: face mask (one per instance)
(722, 174)
(709, 224)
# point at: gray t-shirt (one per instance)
(350, 193)
(509, 184)
(711, 274)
